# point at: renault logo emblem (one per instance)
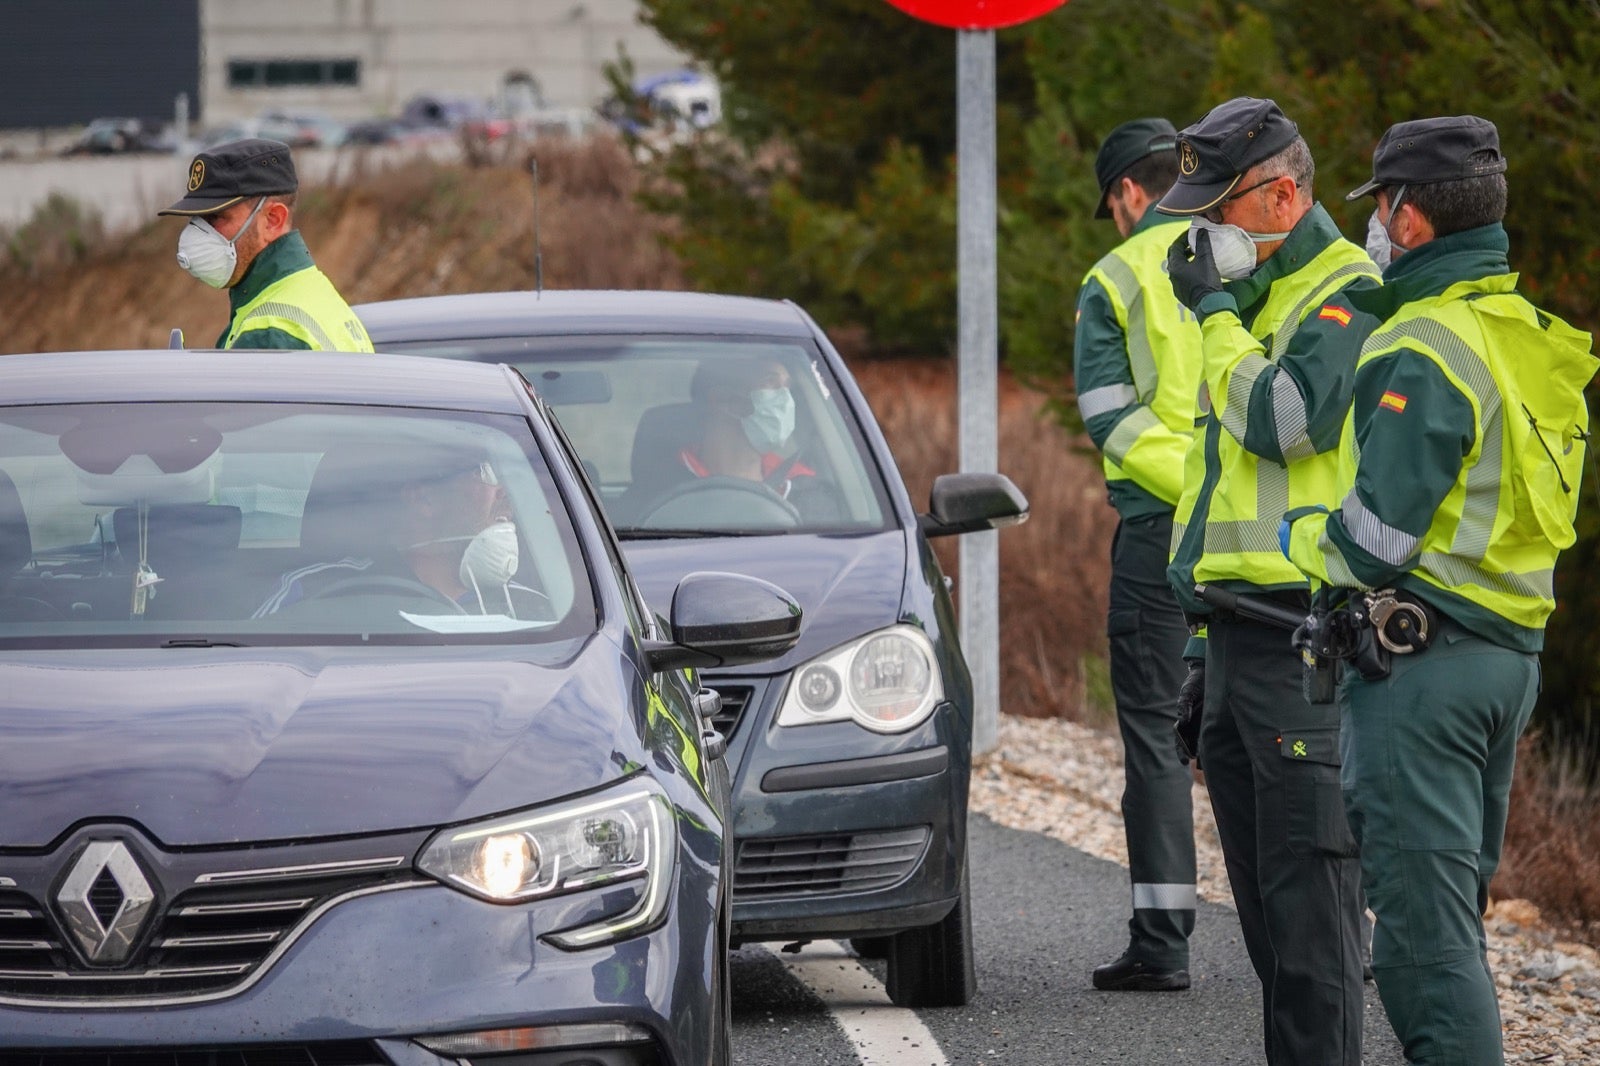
(105, 901)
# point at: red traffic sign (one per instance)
(976, 14)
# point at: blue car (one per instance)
(334, 728)
(726, 432)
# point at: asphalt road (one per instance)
(1045, 916)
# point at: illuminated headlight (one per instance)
(624, 834)
(887, 681)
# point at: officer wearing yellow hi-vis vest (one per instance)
(1136, 365)
(241, 237)
(1279, 343)
(1459, 474)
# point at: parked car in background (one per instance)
(114, 136)
(726, 432)
(336, 730)
(301, 129)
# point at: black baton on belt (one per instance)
(1256, 608)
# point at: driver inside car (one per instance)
(749, 420)
(442, 527)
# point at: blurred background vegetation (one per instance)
(833, 181)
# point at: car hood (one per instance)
(846, 585)
(228, 746)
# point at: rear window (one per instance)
(700, 435)
(251, 524)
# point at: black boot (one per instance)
(1128, 974)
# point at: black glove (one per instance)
(1191, 709)
(1193, 279)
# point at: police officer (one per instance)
(1271, 279)
(1459, 477)
(241, 237)
(1136, 362)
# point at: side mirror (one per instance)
(966, 503)
(725, 620)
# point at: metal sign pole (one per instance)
(978, 354)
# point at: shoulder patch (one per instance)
(1337, 314)
(1393, 401)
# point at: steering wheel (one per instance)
(719, 501)
(376, 583)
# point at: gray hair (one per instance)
(1294, 161)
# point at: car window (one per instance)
(281, 523)
(701, 434)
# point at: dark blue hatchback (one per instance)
(726, 432)
(334, 728)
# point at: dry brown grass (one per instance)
(1552, 850)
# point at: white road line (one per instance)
(882, 1034)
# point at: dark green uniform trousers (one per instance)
(1147, 634)
(1428, 755)
(1272, 768)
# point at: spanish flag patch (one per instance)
(1338, 314)
(1393, 401)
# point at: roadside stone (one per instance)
(1064, 780)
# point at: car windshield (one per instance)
(689, 436)
(267, 523)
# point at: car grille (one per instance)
(836, 863)
(340, 1053)
(734, 700)
(208, 939)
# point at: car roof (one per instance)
(271, 376)
(579, 311)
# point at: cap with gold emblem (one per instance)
(1214, 153)
(228, 173)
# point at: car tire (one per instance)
(933, 966)
(871, 947)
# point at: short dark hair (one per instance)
(1453, 206)
(1155, 173)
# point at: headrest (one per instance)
(16, 545)
(663, 432)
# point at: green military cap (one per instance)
(1125, 146)
(1214, 153)
(1428, 150)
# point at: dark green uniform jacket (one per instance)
(284, 301)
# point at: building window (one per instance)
(275, 73)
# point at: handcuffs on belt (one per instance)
(1401, 626)
(1365, 632)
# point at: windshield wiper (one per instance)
(695, 534)
(202, 642)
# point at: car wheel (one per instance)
(871, 947)
(932, 966)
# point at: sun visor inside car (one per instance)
(562, 388)
(142, 460)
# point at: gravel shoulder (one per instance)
(1064, 780)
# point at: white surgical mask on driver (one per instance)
(1232, 248)
(207, 254)
(772, 420)
(490, 560)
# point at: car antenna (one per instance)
(175, 340)
(538, 254)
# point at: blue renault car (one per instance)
(725, 432)
(334, 729)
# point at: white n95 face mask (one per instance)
(207, 254)
(490, 559)
(772, 420)
(1233, 248)
(1381, 247)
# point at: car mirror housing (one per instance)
(726, 620)
(966, 503)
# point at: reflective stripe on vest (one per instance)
(1247, 548)
(1163, 342)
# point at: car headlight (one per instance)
(887, 681)
(623, 834)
